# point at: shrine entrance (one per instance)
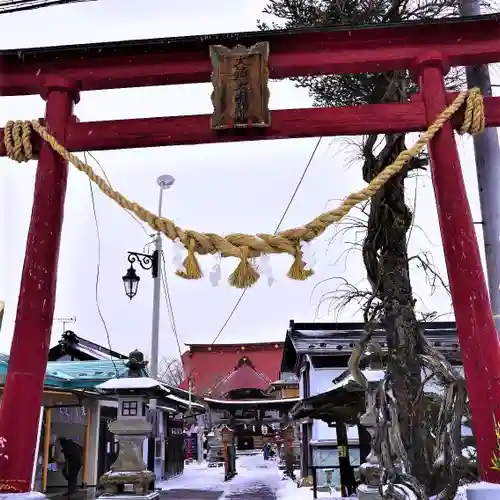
(254, 422)
(241, 113)
(244, 439)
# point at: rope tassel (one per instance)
(245, 275)
(192, 269)
(298, 270)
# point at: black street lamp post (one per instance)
(146, 261)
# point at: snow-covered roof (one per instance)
(254, 402)
(183, 401)
(131, 383)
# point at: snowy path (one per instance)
(256, 479)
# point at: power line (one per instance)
(98, 273)
(111, 186)
(168, 300)
(10, 6)
(297, 187)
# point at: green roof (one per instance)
(76, 374)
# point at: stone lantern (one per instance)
(215, 456)
(129, 477)
(370, 471)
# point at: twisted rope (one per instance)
(17, 139)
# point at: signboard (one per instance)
(240, 79)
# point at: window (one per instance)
(129, 408)
(331, 361)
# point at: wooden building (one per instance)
(317, 353)
(286, 387)
(243, 387)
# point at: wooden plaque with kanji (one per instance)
(241, 94)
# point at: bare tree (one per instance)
(171, 371)
(427, 460)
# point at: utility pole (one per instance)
(487, 154)
(165, 182)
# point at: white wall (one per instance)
(321, 431)
(321, 379)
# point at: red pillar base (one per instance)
(35, 310)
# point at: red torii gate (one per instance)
(59, 73)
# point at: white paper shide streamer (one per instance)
(179, 252)
(265, 269)
(215, 274)
(308, 255)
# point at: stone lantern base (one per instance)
(129, 478)
(128, 485)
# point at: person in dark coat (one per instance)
(73, 455)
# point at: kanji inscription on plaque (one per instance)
(240, 78)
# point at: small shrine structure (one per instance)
(242, 387)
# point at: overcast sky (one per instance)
(219, 188)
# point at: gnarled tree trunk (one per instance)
(386, 260)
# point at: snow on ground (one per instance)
(255, 475)
(256, 478)
(196, 477)
(289, 491)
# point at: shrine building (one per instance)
(244, 387)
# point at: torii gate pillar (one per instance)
(479, 343)
(35, 309)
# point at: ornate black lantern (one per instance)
(131, 282)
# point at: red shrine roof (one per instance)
(245, 376)
(220, 368)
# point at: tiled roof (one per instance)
(76, 374)
(326, 338)
(210, 365)
(243, 377)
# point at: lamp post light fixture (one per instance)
(131, 279)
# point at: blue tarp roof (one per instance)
(76, 374)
